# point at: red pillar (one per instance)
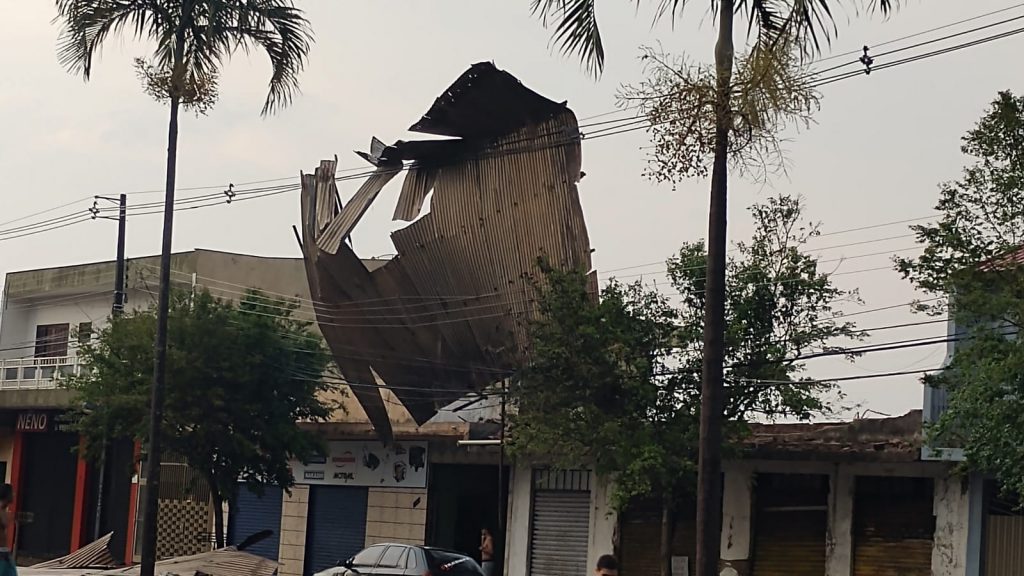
(78, 513)
(16, 462)
(133, 504)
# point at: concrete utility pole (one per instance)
(116, 310)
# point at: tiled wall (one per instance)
(293, 531)
(396, 515)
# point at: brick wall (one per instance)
(396, 515)
(293, 531)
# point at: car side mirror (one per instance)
(346, 564)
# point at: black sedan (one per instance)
(405, 560)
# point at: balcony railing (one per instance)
(37, 373)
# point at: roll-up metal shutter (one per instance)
(335, 526)
(893, 526)
(1004, 533)
(640, 536)
(560, 523)
(790, 543)
(251, 513)
(790, 524)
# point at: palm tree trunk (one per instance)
(709, 501)
(156, 411)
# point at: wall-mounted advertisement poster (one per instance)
(354, 463)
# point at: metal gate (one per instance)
(336, 525)
(1004, 533)
(790, 524)
(559, 523)
(251, 513)
(893, 526)
(640, 536)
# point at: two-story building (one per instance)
(425, 488)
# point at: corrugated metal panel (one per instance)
(1004, 546)
(252, 513)
(893, 527)
(336, 526)
(339, 229)
(418, 183)
(460, 292)
(94, 555)
(790, 543)
(225, 562)
(560, 529)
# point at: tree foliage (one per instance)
(971, 266)
(809, 23)
(613, 382)
(771, 90)
(239, 379)
(193, 39)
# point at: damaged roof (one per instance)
(449, 313)
(897, 439)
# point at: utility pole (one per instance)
(116, 310)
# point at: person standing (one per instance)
(486, 552)
(6, 526)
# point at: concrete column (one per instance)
(292, 551)
(517, 532)
(604, 522)
(952, 518)
(839, 545)
(736, 518)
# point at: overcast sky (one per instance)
(880, 146)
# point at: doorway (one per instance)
(463, 500)
(47, 495)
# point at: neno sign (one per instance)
(33, 422)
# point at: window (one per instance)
(52, 340)
(84, 332)
(392, 557)
(368, 558)
(412, 560)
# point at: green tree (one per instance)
(777, 26)
(972, 269)
(613, 383)
(193, 39)
(239, 379)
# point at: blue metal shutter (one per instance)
(336, 526)
(251, 514)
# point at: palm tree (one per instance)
(800, 23)
(193, 39)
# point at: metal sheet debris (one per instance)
(449, 314)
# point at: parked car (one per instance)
(405, 560)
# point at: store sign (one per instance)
(401, 465)
(33, 422)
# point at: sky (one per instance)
(875, 155)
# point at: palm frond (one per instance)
(88, 23)
(212, 30)
(810, 24)
(576, 29)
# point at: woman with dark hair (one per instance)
(6, 561)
